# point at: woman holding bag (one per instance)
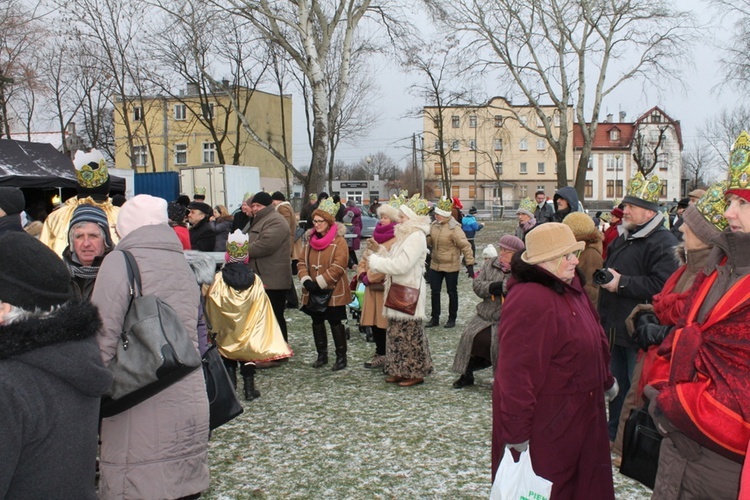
(372, 309)
(407, 358)
(322, 271)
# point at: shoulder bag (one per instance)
(403, 298)
(154, 351)
(640, 447)
(223, 403)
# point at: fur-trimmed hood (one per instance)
(202, 265)
(521, 272)
(60, 342)
(405, 228)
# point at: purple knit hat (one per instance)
(510, 242)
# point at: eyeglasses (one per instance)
(571, 255)
(318, 221)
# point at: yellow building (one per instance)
(202, 129)
(493, 158)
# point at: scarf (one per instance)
(383, 233)
(322, 242)
(528, 226)
(81, 271)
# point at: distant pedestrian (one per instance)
(471, 227)
(543, 211)
(565, 201)
(526, 219)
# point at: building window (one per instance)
(472, 191)
(618, 188)
(556, 119)
(472, 168)
(180, 112)
(137, 113)
(437, 145)
(498, 121)
(180, 154)
(588, 190)
(438, 169)
(437, 192)
(499, 168)
(523, 119)
(610, 188)
(208, 111)
(655, 117)
(524, 191)
(663, 161)
(472, 144)
(540, 167)
(523, 144)
(590, 165)
(496, 192)
(455, 121)
(209, 152)
(498, 144)
(663, 189)
(541, 144)
(455, 168)
(614, 135)
(473, 121)
(455, 146)
(140, 156)
(523, 169)
(456, 191)
(611, 162)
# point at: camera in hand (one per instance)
(602, 276)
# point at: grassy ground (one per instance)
(348, 434)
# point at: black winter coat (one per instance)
(645, 258)
(202, 236)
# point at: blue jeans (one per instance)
(622, 366)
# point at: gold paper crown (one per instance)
(238, 245)
(739, 163)
(445, 204)
(200, 191)
(527, 204)
(329, 206)
(397, 201)
(645, 189)
(91, 168)
(713, 204)
(418, 205)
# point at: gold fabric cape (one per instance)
(245, 326)
(55, 229)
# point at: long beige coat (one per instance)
(372, 309)
(447, 242)
(159, 448)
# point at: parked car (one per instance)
(368, 222)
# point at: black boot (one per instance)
(432, 323)
(467, 378)
(231, 366)
(339, 340)
(248, 376)
(321, 344)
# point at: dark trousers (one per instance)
(622, 365)
(378, 335)
(278, 304)
(436, 284)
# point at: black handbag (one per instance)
(223, 403)
(317, 302)
(640, 447)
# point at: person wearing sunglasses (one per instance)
(552, 377)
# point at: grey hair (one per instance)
(78, 225)
(17, 314)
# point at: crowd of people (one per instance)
(579, 323)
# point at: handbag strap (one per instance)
(134, 275)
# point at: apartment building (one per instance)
(201, 128)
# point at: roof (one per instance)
(627, 131)
(53, 138)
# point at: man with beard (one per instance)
(640, 260)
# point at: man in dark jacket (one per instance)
(565, 201)
(51, 376)
(89, 243)
(12, 203)
(202, 236)
(640, 260)
(269, 241)
(543, 212)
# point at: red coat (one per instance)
(552, 371)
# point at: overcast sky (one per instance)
(692, 106)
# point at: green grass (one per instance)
(349, 435)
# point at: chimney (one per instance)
(225, 83)
(192, 89)
(71, 129)
(609, 117)
(622, 116)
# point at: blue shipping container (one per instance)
(162, 184)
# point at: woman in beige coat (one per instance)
(159, 448)
(372, 309)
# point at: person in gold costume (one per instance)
(241, 317)
(93, 188)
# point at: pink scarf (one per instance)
(383, 233)
(321, 242)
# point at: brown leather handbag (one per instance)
(403, 298)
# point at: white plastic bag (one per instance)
(518, 481)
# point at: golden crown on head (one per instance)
(445, 204)
(713, 204)
(527, 204)
(396, 201)
(91, 168)
(329, 206)
(739, 163)
(645, 189)
(200, 191)
(238, 245)
(418, 205)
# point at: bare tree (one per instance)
(647, 152)
(734, 62)
(720, 131)
(552, 50)
(698, 165)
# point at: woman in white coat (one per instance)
(407, 357)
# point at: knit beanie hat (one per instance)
(91, 213)
(706, 217)
(12, 201)
(489, 252)
(617, 212)
(278, 196)
(581, 224)
(203, 207)
(549, 241)
(32, 276)
(141, 210)
(176, 212)
(263, 198)
(510, 242)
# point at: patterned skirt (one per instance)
(407, 352)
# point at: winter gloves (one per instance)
(470, 271)
(311, 286)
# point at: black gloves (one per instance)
(650, 334)
(470, 271)
(496, 288)
(311, 286)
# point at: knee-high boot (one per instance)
(321, 344)
(339, 340)
(231, 366)
(248, 376)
